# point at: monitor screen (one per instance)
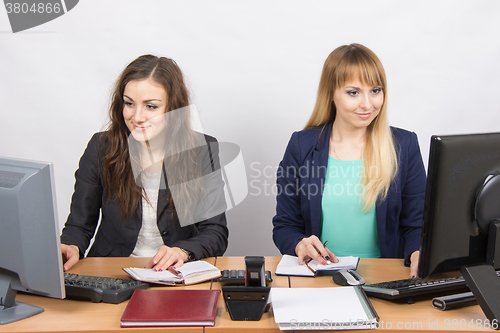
(30, 250)
(459, 166)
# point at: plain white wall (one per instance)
(253, 68)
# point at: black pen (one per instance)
(328, 260)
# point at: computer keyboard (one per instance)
(237, 277)
(100, 289)
(414, 287)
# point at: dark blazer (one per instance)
(117, 237)
(301, 177)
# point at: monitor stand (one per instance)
(484, 283)
(483, 280)
(10, 310)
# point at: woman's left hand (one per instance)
(166, 257)
(414, 263)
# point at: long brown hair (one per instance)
(343, 65)
(118, 176)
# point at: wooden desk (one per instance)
(223, 323)
(85, 316)
(66, 315)
(400, 316)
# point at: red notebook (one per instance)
(156, 307)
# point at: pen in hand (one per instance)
(325, 258)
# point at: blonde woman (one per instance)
(348, 178)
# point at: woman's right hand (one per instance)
(71, 255)
(309, 247)
(166, 257)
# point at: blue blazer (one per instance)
(301, 177)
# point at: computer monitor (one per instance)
(30, 250)
(461, 227)
(459, 167)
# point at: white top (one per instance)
(149, 239)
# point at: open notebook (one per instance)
(190, 273)
(289, 265)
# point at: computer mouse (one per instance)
(348, 277)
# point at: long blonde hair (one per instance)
(343, 65)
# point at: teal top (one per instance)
(348, 229)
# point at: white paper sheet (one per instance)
(320, 308)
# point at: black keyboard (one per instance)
(414, 287)
(100, 289)
(237, 277)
